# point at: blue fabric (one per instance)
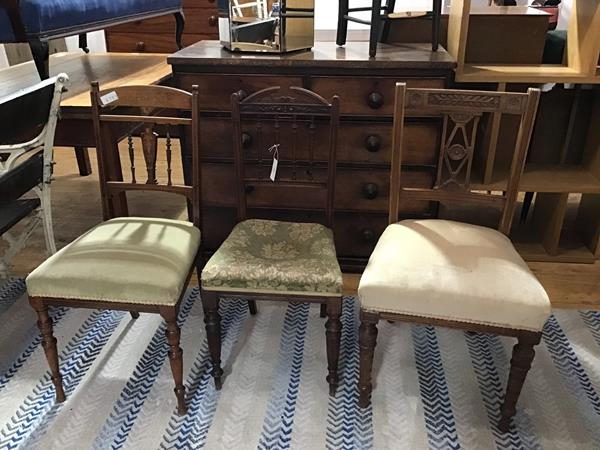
(48, 17)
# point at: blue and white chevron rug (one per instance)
(435, 388)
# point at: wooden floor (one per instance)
(76, 208)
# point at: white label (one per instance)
(274, 169)
(107, 99)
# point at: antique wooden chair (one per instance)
(273, 260)
(448, 273)
(381, 15)
(28, 121)
(135, 264)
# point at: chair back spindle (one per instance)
(462, 112)
(290, 117)
(114, 106)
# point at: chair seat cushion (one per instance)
(124, 260)
(264, 256)
(453, 271)
(51, 17)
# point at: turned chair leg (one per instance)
(252, 307)
(49, 345)
(212, 319)
(333, 333)
(367, 340)
(134, 314)
(175, 356)
(522, 357)
(323, 312)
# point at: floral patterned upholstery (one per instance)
(266, 256)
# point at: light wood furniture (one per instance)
(128, 263)
(74, 129)
(362, 179)
(276, 260)
(156, 35)
(461, 289)
(583, 50)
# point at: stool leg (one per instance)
(342, 29)
(179, 27)
(333, 333)
(435, 24)
(391, 5)
(376, 28)
(173, 335)
(212, 319)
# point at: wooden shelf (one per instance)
(550, 178)
(546, 73)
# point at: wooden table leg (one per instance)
(83, 161)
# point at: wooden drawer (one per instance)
(358, 142)
(367, 96)
(358, 189)
(215, 90)
(356, 234)
(149, 43)
(203, 20)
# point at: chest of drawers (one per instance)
(157, 35)
(366, 90)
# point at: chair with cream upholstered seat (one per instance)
(449, 273)
(270, 259)
(136, 264)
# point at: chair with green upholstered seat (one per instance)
(137, 264)
(269, 259)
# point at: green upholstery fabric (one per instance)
(265, 256)
(125, 260)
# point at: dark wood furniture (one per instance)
(75, 129)
(81, 22)
(462, 111)
(367, 89)
(288, 122)
(155, 35)
(381, 16)
(136, 243)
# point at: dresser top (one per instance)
(323, 55)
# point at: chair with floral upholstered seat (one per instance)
(269, 259)
(137, 264)
(450, 273)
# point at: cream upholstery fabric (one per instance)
(455, 271)
(129, 259)
(266, 256)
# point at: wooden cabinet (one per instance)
(366, 89)
(157, 35)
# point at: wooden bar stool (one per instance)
(381, 16)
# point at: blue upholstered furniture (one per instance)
(37, 21)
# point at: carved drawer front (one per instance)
(367, 95)
(364, 189)
(215, 90)
(358, 142)
(356, 189)
(197, 20)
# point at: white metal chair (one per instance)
(261, 8)
(26, 161)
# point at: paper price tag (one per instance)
(107, 99)
(274, 169)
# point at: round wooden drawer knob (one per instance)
(242, 94)
(246, 140)
(373, 143)
(375, 100)
(367, 235)
(212, 21)
(370, 191)
(140, 46)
